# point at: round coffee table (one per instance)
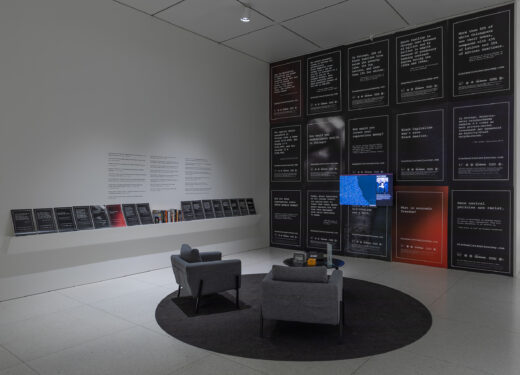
(336, 263)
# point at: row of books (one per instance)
(167, 216)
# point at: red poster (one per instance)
(115, 215)
(420, 225)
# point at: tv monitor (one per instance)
(366, 190)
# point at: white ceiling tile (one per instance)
(272, 44)
(347, 22)
(218, 20)
(281, 10)
(424, 11)
(149, 6)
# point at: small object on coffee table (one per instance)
(311, 262)
(298, 259)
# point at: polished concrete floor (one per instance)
(109, 327)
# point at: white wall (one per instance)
(80, 79)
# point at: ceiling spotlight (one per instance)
(246, 16)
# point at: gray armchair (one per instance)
(302, 294)
(201, 274)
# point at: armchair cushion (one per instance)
(300, 274)
(190, 255)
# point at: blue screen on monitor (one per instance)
(366, 190)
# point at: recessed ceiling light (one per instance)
(246, 16)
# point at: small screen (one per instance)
(366, 190)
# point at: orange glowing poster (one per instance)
(420, 225)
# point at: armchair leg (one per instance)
(340, 323)
(199, 295)
(343, 312)
(179, 292)
(261, 323)
(237, 302)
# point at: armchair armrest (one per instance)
(217, 276)
(209, 256)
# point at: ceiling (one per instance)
(281, 29)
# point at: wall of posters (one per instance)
(324, 81)
(420, 65)
(369, 75)
(366, 232)
(420, 225)
(420, 146)
(368, 142)
(434, 107)
(324, 148)
(286, 90)
(323, 220)
(481, 141)
(481, 53)
(286, 153)
(481, 225)
(286, 217)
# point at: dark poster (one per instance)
(481, 142)
(242, 205)
(251, 206)
(324, 141)
(286, 217)
(286, 90)
(115, 215)
(234, 207)
(481, 230)
(226, 207)
(208, 209)
(286, 153)
(83, 217)
(368, 78)
(420, 65)
(420, 146)
(367, 232)
(23, 222)
(99, 216)
(324, 89)
(44, 218)
(131, 215)
(65, 219)
(198, 211)
(420, 225)
(145, 213)
(187, 211)
(368, 145)
(323, 220)
(481, 54)
(217, 208)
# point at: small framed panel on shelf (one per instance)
(99, 216)
(242, 205)
(23, 222)
(131, 214)
(207, 205)
(234, 207)
(83, 217)
(226, 207)
(115, 215)
(187, 211)
(145, 213)
(217, 208)
(44, 218)
(198, 210)
(65, 219)
(251, 206)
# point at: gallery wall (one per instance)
(433, 105)
(85, 83)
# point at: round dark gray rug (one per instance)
(378, 319)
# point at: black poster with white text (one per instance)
(420, 65)
(286, 153)
(323, 220)
(286, 90)
(368, 145)
(324, 83)
(481, 230)
(324, 145)
(368, 77)
(481, 54)
(367, 232)
(286, 217)
(420, 146)
(481, 142)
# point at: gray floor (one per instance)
(109, 327)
